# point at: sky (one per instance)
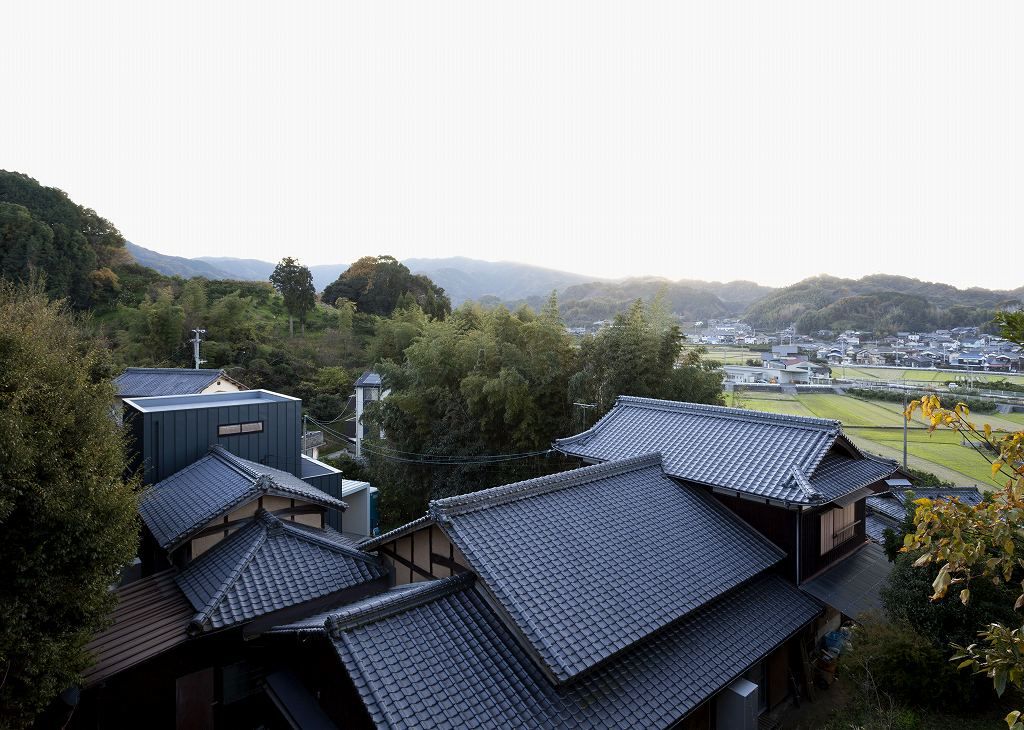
(709, 140)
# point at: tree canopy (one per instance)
(640, 355)
(42, 232)
(377, 284)
(294, 282)
(477, 399)
(67, 516)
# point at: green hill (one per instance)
(880, 303)
(43, 232)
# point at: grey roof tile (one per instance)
(887, 505)
(186, 501)
(390, 648)
(567, 555)
(147, 382)
(875, 526)
(269, 565)
(785, 458)
(965, 495)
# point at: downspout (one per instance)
(799, 514)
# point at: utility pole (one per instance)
(904, 424)
(196, 339)
(584, 407)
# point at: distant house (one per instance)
(785, 350)
(968, 359)
(149, 382)
(779, 375)
(888, 510)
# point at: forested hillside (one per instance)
(43, 232)
(881, 303)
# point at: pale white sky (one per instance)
(717, 140)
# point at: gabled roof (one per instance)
(766, 455)
(270, 565)
(586, 563)
(183, 503)
(369, 378)
(146, 382)
(437, 656)
(151, 617)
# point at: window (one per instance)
(837, 526)
(233, 429)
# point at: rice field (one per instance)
(877, 427)
(919, 375)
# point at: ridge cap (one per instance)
(382, 605)
(195, 626)
(741, 413)
(443, 509)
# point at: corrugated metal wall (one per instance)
(171, 440)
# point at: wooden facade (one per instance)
(291, 510)
(780, 526)
(422, 554)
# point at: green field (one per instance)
(877, 427)
(917, 375)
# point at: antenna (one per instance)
(196, 339)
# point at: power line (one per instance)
(454, 460)
(414, 457)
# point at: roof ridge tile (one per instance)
(260, 523)
(741, 413)
(441, 509)
(383, 606)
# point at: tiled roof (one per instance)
(965, 495)
(762, 454)
(151, 617)
(888, 509)
(876, 524)
(838, 475)
(888, 505)
(317, 622)
(186, 501)
(588, 562)
(439, 657)
(146, 382)
(852, 585)
(270, 565)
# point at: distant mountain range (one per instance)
(462, 278)
(879, 303)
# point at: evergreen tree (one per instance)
(67, 517)
(295, 283)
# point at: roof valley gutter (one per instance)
(738, 494)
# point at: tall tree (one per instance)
(474, 393)
(377, 285)
(67, 516)
(295, 283)
(640, 355)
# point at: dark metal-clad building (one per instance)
(171, 432)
